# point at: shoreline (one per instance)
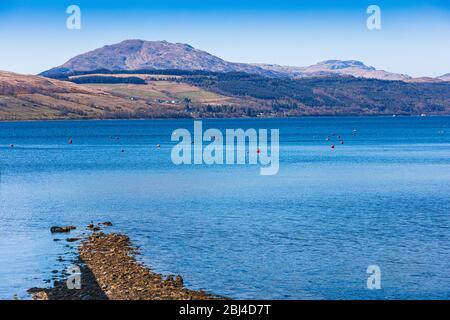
(108, 270)
(234, 118)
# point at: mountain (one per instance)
(140, 54)
(445, 77)
(352, 68)
(158, 79)
(424, 80)
(162, 55)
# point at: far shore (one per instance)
(233, 118)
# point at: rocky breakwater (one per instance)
(109, 270)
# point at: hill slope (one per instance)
(333, 95)
(27, 97)
(24, 97)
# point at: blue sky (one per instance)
(414, 39)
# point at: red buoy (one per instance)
(332, 146)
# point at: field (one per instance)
(170, 91)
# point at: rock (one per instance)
(178, 281)
(92, 227)
(110, 271)
(56, 229)
(38, 294)
(169, 280)
(107, 224)
(34, 290)
(72, 239)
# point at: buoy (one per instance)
(70, 141)
(342, 142)
(332, 146)
(11, 145)
(258, 151)
(122, 150)
(328, 139)
(158, 146)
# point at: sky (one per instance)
(414, 37)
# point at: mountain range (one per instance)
(158, 79)
(445, 77)
(163, 55)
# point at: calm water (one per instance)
(309, 232)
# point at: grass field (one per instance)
(165, 90)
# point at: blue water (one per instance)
(309, 232)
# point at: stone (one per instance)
(56, 229)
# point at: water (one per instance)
(309, 232)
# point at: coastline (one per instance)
(109, 270)
(233, 118)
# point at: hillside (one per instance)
(193, 94)
(27, 97)
(333, 95)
